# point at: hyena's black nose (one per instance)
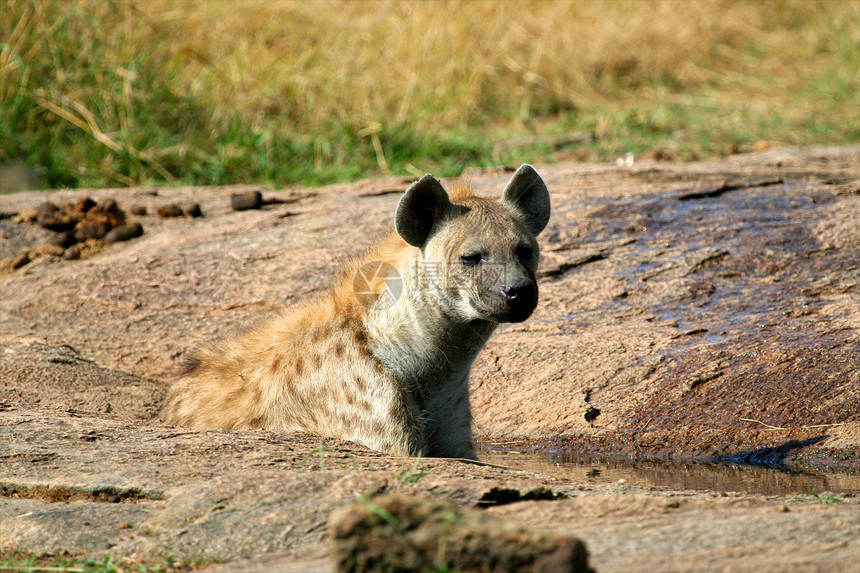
(521, 296)
(519, 290)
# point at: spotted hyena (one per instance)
(383, 358)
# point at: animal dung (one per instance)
(247, 200)
(82, 227)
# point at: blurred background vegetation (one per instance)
(130, 92)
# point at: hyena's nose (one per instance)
(518, 290)
(521, 296)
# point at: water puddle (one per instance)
(782, 480)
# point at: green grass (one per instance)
(825, 498)
(22, 562)
(130, 92)
(415, 474)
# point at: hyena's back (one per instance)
(306, 369)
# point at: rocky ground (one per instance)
(695, 311)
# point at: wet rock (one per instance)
(169, 211)
(124, 233)
(405, 533)
(246, 201)
(193, 211)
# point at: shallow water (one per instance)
(783, 480)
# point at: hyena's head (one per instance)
(478, 255)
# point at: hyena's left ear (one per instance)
(423, 206)
(527, 198)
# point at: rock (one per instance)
(73, 253)
(83, 222)
(46, 249)
(759, 284)
(108, 206)
(405, 533)
(137, 209)
(84, 204)
(502, 496)
(64, 239)
(19, 261)
(47, 207)
(169, 211)
(86, 231)
(247, 200)
(591, 414)
(124, 233)
(192, 211)
(56, 221)
(26, 215)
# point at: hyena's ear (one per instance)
(527, 198)
(422, 206)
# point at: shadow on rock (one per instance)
(773, 456)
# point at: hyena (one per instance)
(383, 358)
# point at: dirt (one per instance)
(688, 311)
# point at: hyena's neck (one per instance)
(428, 349)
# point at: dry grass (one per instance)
(450, 62)
(376, 83)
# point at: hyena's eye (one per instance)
(472, 260)
(525, 252)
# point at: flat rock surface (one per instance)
(695, 311)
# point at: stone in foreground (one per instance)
(404, 533)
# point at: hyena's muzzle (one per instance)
(521, 296)
(509, 297)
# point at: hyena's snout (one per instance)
(521, 296)
(511, 299)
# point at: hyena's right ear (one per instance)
(527, 198)
(422, 206)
